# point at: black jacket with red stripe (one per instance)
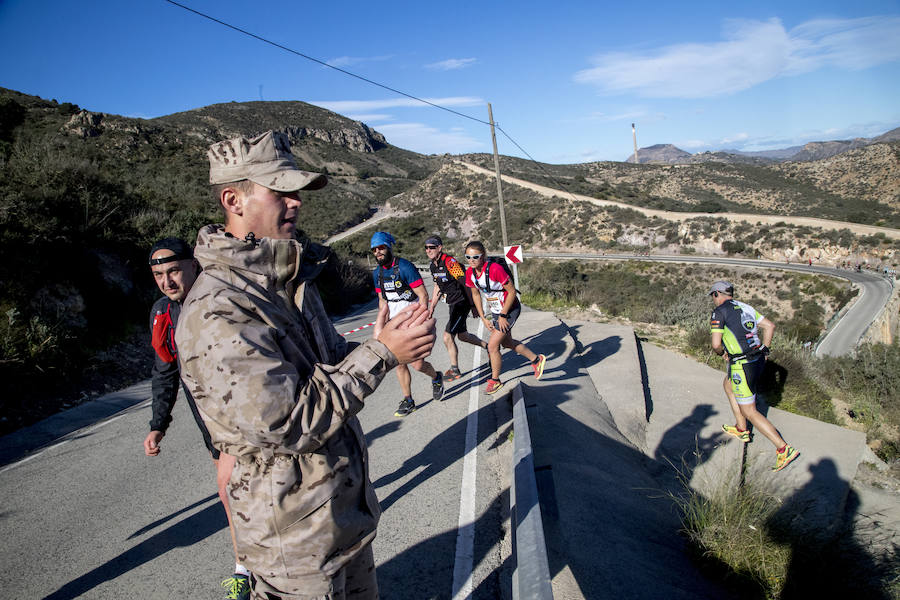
(165, 376)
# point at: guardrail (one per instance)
(531, 574)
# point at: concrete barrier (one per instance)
(531, 573)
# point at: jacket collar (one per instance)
(276, 261)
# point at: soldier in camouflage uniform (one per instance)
(276, 385)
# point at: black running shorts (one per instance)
(457, 321)
(511, 319)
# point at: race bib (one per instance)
(496, 304)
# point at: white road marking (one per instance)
(463, 563)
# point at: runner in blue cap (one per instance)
(398, 285)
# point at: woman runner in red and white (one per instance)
(492, 281)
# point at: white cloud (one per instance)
(626, 116)
(733, 139)
(349, 61)
(353, 106)
(425, 139)
(451, 64)
(751, 52)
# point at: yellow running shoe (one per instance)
(744, 435)
(785, 457)
(238, 587)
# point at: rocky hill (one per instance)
(870, 172)
(891, 136)
(822, 150)
(84, 194)
(860, 186)
(660, 153)
(813, 151)
(559, 222)
(780, 154)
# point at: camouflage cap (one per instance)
(265, 159)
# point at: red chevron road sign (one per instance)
(513, 253)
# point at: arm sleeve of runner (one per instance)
(455, 269)
(470, 277)
(498, 273)
(375, 281)
(164, 380)
(410, 273)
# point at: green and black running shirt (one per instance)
(737, 322)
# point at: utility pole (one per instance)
(500, 192)
(497, 172)
(634, 138)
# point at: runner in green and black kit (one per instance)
(449, 280)
(736, 328)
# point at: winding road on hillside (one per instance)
(767, 219)
(378, 216)
(844, 335)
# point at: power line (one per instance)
(559, 186)
(323, 63)
(370, 81)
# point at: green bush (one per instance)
(734, 247)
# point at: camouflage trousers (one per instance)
(356, 581)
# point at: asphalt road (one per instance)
(92, 517)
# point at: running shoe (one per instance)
(406, 406)
(538, 365)
(437, 388)
(238, 587)
(452, 374)
(785, 457)
(744, 435)
(493, 385)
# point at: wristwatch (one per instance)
(504, 315)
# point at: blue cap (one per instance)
(382, 238)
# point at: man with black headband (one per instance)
(175, 270)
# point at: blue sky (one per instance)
(565, 79)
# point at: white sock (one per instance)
(240, 569)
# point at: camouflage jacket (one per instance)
(276, 388)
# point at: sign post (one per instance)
(513, 256)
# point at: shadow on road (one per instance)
(414, 574)
(828, 561)
(171, 516)
(187, 532)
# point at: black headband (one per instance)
(166, 259)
